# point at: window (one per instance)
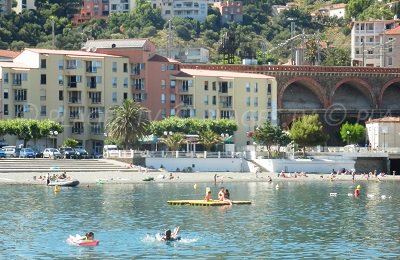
(71, 64)
(172, 83)
(43, 79)
(139, 84)
(95, 97)
(256, 87)
(61, 80)
(214, 86)
(214, 100)
(390, 61)
(163, 101)
(173, 112)
(114, 97)
(5, 77)
(248, 101)
(205, 100)
(60, 95)
(5, 93)
(94, 112)
(171, 67)
(43, 63)
(206, 114)
(256, 101)
(5, 109)
(125, 67)
(247, 87)
(163, 84)
(20, 94)
(42, 110)
(42, 95)
(269, 102)
(125, 95)
(205, 85)
(125, 82)
(114, 67)
(163, 67)
(269, 88)
(255, 115)
(248, 114)
(19, 110)
(172, 98)
(114, 82)
(61, 64)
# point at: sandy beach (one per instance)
(134, 177)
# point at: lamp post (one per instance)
(53, 134)
(348, 137)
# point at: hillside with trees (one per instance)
(261, 35)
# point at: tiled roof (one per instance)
(388, 119)
(68, 52)
(115, 43)
(159, 58)
(9, 54)
(227, 74)
(394, 31)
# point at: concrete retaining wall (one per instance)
(200, 164)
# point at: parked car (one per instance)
(26, 153)
(38, 153)
(81, 153)
(51, 153)
(67, 152)
(11, 151)
(2, 153)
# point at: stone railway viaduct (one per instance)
(337, 94)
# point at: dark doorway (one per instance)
(394, 166)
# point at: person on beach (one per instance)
(208, 196)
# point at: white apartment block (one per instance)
(122, 6)
(370, 46)
(24, 5)
(74, 88)
(196, 9)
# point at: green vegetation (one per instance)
(129, 122)
(28, 129)
(307, 131)
(261, 34)
(352, 133)
(269, 135)
(70, 142)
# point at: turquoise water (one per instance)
(299, 220)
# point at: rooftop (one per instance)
(68, 52)
(394, 31)
(115, 43)
(389, 119)
(9, 54)
(159, 58)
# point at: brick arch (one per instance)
(358, 83)
(313, 85)
(383, 89)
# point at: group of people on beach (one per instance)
(296, 174)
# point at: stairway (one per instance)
(68, 165)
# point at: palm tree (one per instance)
(209, 138)
(129, 122)
(173, 141)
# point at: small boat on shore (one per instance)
(64, 183)
(206, 203)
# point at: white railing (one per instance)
(172, 154)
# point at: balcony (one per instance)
(91, 69)
(226, 104)
(77, 130)
(92, 84)
(74, 100)
(72, 85)
(17, 83)
(74, 115)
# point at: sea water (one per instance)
(298, 220)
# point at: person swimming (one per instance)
(171, 236)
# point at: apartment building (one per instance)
(74, 88)
(249, 99)
(196, 9)
(122, 6)
(24, 5)
(92, 9)
(231, 11)
(370, 45)
(150, 73)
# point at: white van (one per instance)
(110, 150)
(11, 151)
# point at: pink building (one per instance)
(231, 11)
(150, 73)
(92, 9)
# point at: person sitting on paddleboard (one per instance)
(89, 236)
(221, 194)
(171, 236)
(208, 196)
(227, 194)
